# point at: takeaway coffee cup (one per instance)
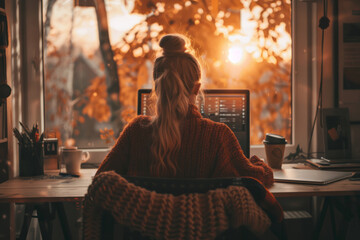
(71, 159)
(274, 149)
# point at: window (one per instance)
(87, 103)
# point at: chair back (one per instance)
(178, 187)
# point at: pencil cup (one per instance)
(274, 149)
(31, 162)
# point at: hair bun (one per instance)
(172, 43)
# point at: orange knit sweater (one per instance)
(208, 149)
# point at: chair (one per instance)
(152, 208)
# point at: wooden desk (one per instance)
(340, 188)
(329, 201)
(43, 193)
(62, 189)
(48, 188)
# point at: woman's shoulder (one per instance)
(216, 126)
(137, 125)
(212, 123)
(140, 121)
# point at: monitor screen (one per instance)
(228, 106)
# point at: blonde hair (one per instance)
(175, 74)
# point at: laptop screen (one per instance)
(228, 106)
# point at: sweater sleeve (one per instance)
(118, 158)
(231, 161)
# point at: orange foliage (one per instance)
(107, 135)
(96, 107)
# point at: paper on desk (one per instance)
(301, 166)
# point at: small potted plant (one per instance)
(31, 161)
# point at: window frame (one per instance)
(30, 86)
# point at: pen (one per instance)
(69, 175)
(325, 159)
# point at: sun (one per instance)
(236, 54)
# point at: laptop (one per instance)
(309, 176)
(337, 141)
(228, 106)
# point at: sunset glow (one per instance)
(248, 40)
(236, 54)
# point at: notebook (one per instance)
(325, 164)
(309, 176)
(228, 106)
(337, 141)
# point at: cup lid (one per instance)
(274, 139)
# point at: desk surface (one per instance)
(48, 188)
(52, 188)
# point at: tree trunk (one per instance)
(49, 8)
(112, 78)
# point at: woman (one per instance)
(177, 141)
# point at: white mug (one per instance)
(72, 157)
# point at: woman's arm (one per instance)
(232, 161)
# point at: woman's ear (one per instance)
(196, 88)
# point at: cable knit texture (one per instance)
(208, 149)
(164, 216)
